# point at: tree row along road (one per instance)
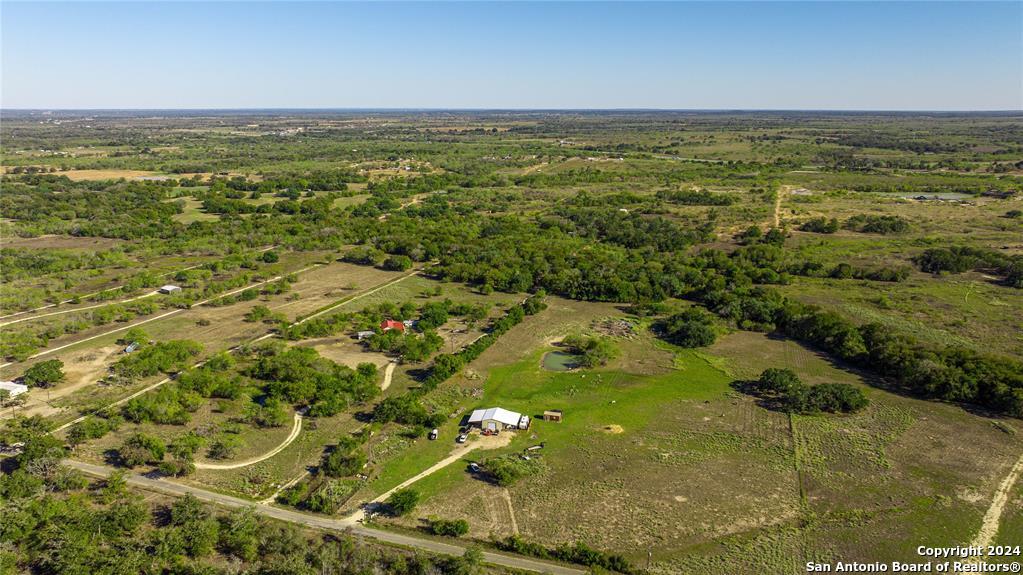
(347, 524)
(232, 349)
(161, 316)
(88, 295)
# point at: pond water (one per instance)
(560, 361)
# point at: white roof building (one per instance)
(169, 288)
(495, 418)
(16, 389)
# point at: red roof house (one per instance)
(392, 324)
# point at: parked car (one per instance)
(474, 467)
(434, 434)
(461, 438)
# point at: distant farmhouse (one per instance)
(389, 324)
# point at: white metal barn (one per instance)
(495, 419)
(15, 389)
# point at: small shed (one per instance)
(361, 335)
(495, 419)
(389, 324)
(169, 289)
(552, 415)
(15, 389)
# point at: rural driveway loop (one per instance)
(291, 437)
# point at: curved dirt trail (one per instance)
(388, 372)
(291, 437)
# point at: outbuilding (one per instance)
(552, 415)
(15, 389)
(169, 289)
(495, 419)
(361, 335)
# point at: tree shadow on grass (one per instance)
(749, 387)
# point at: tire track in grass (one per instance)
(992, 518)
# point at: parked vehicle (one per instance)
(474, 467)
(461, 438)
(434, 434)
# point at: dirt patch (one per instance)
(345, 351)
(613, 429)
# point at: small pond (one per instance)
(560, 361)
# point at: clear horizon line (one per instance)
(509, 109)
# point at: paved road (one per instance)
(344, 524)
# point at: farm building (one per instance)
(15, 389)
(496, 419)
(552, 415)
(388, 324)
(169, 289)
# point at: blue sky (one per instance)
(727, 55)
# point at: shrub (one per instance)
(397, 263)
(791, 394)
(449, 528)
(141, 448)
(44, 373)
(339, 463)
(403, 501)
(820, 225)
(692, 327)
(592, 351)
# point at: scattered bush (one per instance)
(449, 528)
(692, 327)
(44, 373)
(403, 501)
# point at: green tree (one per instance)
(403, 501)
(44, 373)
(689, 328)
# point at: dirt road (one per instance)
(989, 527)
(256, 340)
(161, 316)
(296, 429)
(89, 295)
(460, 451)
(388, 372)
(348, 524)
(104, 304)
